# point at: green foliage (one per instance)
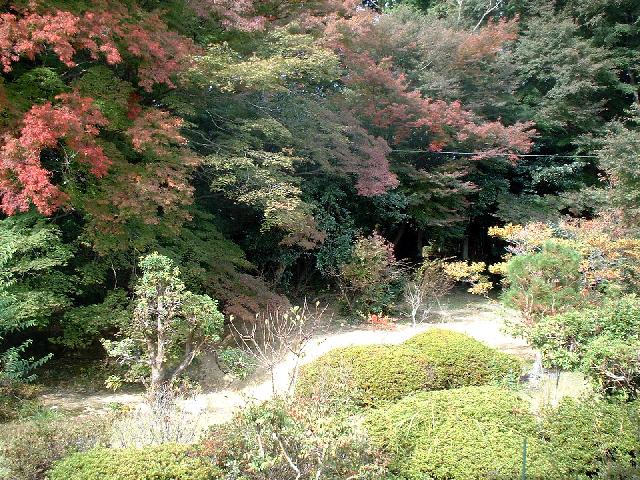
(15, 368)
(601, 341)
(113, 95)
(82, 326)
(477, 433)
(280, 59)
(32, 446)
(38, 85)
(17, 399)
(544, 282)
(237, 362)
(166, 462)
(466, 433)
(619, 158)
(211, 263)
(434, 360)
(169, 326)
(460, 360)
(565, 93)
(564, 338)
(614, 365)
(33, 287)
(590, 438)
(33, 284)
(285, 440)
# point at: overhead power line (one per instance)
(448, 152)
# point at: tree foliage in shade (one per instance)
(252, 142)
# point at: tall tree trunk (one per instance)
(420, 242)
(399, 235)
(632, 79)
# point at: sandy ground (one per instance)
(481, 318)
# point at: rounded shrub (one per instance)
(461, 360)
(165, 462)
(474, 433)
(466, 433)
(366, 375)
(435, 360)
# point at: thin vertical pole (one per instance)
(524, 459)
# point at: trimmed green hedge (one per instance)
(434, 360)
(461, 360)
(165, 462)
(476, 433)
(466, 433)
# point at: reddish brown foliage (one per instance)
(392, 107)
(108, 33)
(355, 151)
(152, 192)
(371, 166)
(237, 14)
(487, 41)
(73, 123)
(493, 139)
(156, 131)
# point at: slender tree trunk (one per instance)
(632, 79)
(399, 235)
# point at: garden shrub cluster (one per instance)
(287, 440)
(461, 360)
(165, 462)
(575, 284)
(34, 445)
(592, 438)
(372, 279)
(477, 433)
(465, 433)
(603, 342)
(15, 398)
(434, 360)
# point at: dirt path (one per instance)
(478, 317)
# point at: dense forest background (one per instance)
(258, 143)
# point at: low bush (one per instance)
(593, 439)
(371, 280)
(16, 398)
(477, 433)
(286, 440)
(166, 462)
(435, 360)
(29, 448)
(237, 362)
(466, 433)
(603, 342)
(461, 360)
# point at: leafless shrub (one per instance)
(278, 334)
(430, 285)
(159, 420)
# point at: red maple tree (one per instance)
(69, 127)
